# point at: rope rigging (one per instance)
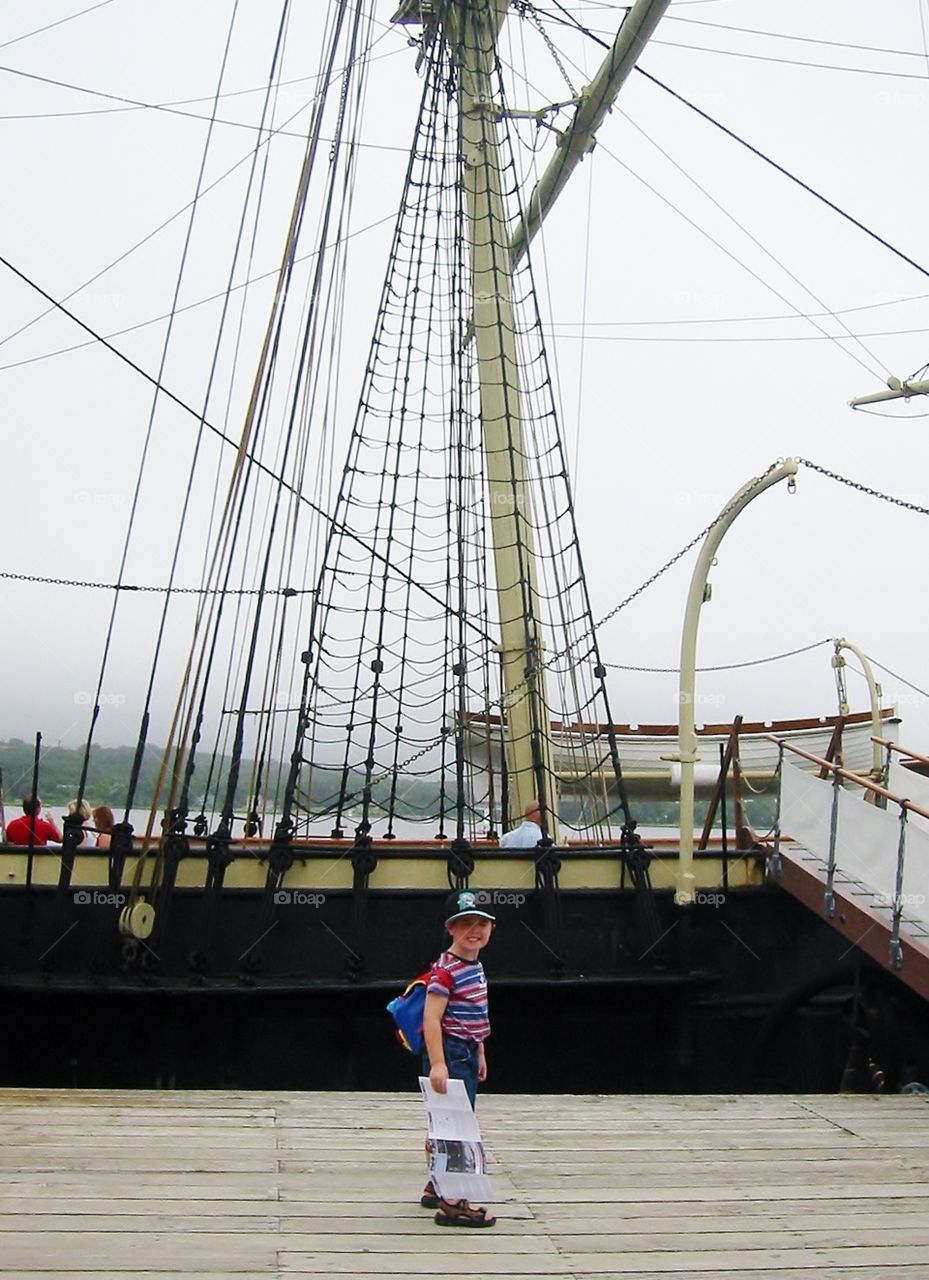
(409, 494)
(392, 687)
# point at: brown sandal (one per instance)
(458, 1213)
(430, 1198)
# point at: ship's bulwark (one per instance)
(747, 991)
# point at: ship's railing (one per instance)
(864, 841)
(898, 773)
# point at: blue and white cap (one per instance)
(467, 902)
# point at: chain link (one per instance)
(726, 666)
(179, 591)
(863, 488)
(813, 466)
(633, 595)
(669, 564)
(528, 10)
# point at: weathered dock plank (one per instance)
(157, 1186)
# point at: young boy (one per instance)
(455, 1026)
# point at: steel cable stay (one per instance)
(786, 173)
(903, 503)
(568, 20)
(186, 726)
(168, 108)
(291, 438)
(133, 104)
(830, 204)
(73, 825)
(191, 707)
(189, 306)
(824, 334)
(58, 303)
(185, 756)
(294, 441)
(800, 313)
(221, 328)
(256, 462)
(100, 4)
(725, 666)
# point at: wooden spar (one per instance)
(595, 102)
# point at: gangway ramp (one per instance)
(846, 848)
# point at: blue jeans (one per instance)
(461, 1060)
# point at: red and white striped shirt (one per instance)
(464, 983)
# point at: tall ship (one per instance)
(352, 631)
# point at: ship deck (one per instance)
(213, 1185)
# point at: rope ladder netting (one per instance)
(404, 714)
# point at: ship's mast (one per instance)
(472, 28)
(469, 29)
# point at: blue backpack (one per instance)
(407, 1012)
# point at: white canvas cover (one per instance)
(904, 782)
(866, 838)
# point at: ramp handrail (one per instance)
(901, 750)
(857, 778)
(904, 805)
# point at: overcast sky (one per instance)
(681, 270)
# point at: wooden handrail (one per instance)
(866, 783)
(904, 751)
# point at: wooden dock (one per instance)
(98, 1185)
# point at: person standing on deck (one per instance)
(528, 834)
(456, 1024)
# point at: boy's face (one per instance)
(470, 934)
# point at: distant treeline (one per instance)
(110, 769)
(108, 774)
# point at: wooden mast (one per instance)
(472, 28)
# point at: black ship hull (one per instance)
(743, 991)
